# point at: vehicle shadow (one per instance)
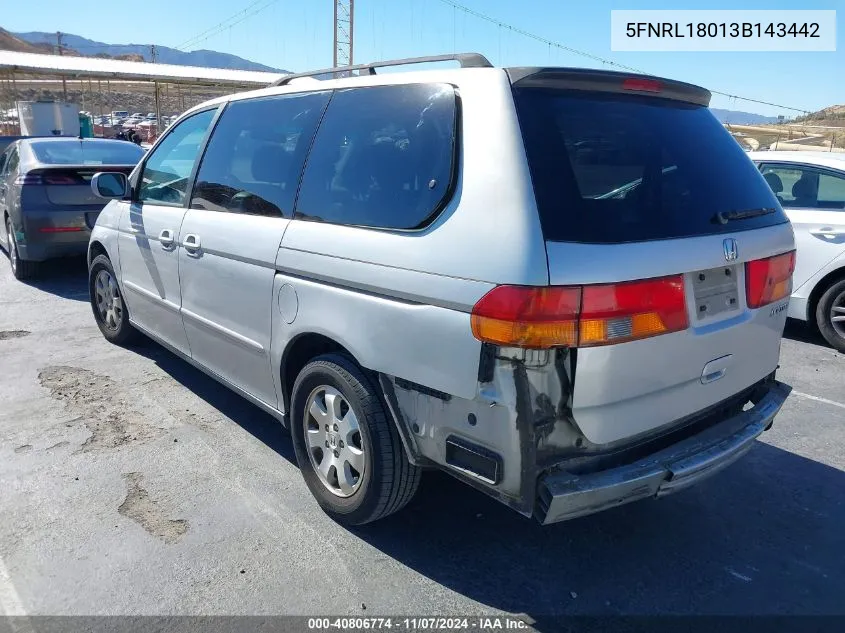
(763, 537)
(66, 278)
(803, 332)
(253, 420)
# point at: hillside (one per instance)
(832, 116)
(141, 52)
(738, 117)
(9, 42)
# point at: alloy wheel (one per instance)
(333, 440)
(107, 298)
(837, 314)
(11, 247)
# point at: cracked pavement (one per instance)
(133, 484)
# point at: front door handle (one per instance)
(827, 231)
(192, 243)
(166, 238)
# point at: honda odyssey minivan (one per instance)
(565, 287)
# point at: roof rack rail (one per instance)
(466, 60)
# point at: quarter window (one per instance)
(14, 160)
(255, 155)
(167, 171)
(805, 187)
(383, 157)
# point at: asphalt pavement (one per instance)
(133, 484)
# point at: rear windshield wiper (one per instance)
(723, 217)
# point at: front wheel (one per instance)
(347, 448)
(107, 303)
(830, 315)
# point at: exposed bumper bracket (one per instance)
(563, 495)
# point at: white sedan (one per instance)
(811, 189)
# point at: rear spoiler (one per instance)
(607, 81)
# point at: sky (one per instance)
(298, 35)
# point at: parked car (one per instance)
(810, 187)
(406, 279)
(46, 202)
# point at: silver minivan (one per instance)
(565, 287)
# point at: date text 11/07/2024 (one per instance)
(721, 29)
(482, 623)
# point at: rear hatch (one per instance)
(681, 252)
(64, 192)
(60, 178)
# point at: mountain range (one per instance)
(41, 42)
(738, 117)
(143, 52)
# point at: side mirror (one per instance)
(109, 185)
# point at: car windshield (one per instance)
(610, 168)
(86, 152)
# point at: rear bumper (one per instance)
(563, 495)
(55, 233)
(60, 246)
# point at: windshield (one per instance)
(86, 152)
(612, 168)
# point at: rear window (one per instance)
(617, 168)
(383, 157)
(86, 152)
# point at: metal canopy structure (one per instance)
(102, 85)
(114, 69)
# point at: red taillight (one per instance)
(580, 316)
(769, 280)
(642, 85)
(40, 177)
(29, 179)
(528, 317)
(59, 179)
(614, 313)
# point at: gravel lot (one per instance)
(133, 484)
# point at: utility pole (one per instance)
(59, 52)
(157, 93)
(344, 15)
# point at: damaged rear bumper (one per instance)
(563, 495)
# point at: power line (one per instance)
(228, 23)
(597, 58)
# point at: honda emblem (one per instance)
(730, 249)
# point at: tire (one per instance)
(21, 269)
(388, 480)
(107, 303)
(832, 305)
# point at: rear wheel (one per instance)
(21, 268)
(107, 303)
(830, 315)
(347, 448)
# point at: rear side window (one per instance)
(611, 169)
(383, 157)
(806, 187)
(14, 160)
(255, 155)
(100, 152)
(168, 169)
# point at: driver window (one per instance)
(168, 168)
